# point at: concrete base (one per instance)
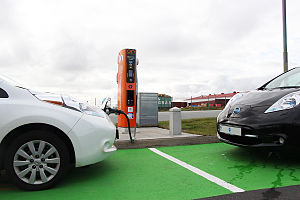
(124, 131)
(165, 142)
(152, 133)
(147, 137)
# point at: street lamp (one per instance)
(285, 53)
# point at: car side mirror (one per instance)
(106, 103)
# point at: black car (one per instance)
(267, 116)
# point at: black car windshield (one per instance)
(289, 79)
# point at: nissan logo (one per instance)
(237, 110)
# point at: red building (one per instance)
(179, 104)
(218, 100)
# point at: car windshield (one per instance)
(289, 79)
(9, 81)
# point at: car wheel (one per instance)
(37, 160)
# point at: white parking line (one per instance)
(209, 177)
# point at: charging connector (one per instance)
(120, 112)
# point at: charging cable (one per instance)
(120, 112)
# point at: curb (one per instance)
(166, 142)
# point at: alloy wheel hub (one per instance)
(36, 162)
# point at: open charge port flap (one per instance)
(130, 97)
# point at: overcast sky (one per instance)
(186, 48)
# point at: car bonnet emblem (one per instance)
(237, 110)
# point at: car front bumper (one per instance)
(262, 130)
(93, 139)
(253, 140)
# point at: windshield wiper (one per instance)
(285, 87)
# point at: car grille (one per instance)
(240, 139)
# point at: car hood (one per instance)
(264, 97)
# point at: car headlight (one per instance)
(234, 98)
(68, 102)
(82, 107)
(287, 102)
(91, 111)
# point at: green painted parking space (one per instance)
(129, 174)
(143, 174)
(247, 169)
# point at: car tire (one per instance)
(37, 160)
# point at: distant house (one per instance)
(217, 100)
(164, 101)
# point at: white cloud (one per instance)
(185, 48)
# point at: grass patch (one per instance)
(201, 126)
(192, 108)
(201, 108)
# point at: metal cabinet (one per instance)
(147, 109)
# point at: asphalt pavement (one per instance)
(164, 116)
(280, 193)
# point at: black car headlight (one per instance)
(289, 101)
(235, 98)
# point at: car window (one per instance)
(9, 81)
(289, 79)
(3, 94)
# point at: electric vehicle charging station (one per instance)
(127, 89)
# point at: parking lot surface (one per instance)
(144, 174)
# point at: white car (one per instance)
(43, 135)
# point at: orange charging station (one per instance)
(127, 89)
